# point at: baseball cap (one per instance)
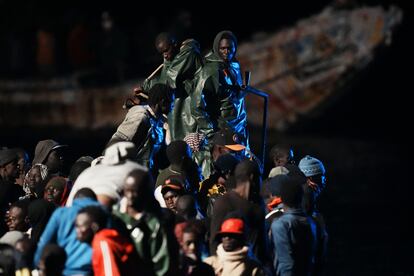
(174, 183)
(227, 138)
(231, 226)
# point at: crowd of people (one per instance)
(177, 190)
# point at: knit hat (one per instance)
(311, 166)
(43, 148)
(231, 226)
(228, 139)
(7, 155)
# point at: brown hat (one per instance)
(43, 148)
(227, 138)
(7, 155)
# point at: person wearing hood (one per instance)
(35, 182)
(219, 100)
(52, 154)
(181, 62)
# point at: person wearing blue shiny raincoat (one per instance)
(218, 100)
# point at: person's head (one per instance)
(9, 167)
(291, 192)
(225, 166)
(278, 170)
(314, 170)
(85, 193)
(167, 45)
(186, 207)
(225, 141)
(35, 179)
(89, 221)
(56, 190)
(77, 168)
(7, 259)
(138, 189)
(247, 172)
(26, 247)
(178, 152)
(225, 45)
(231, 234)
(17, 218)
(171, 190)
(192, 239)
(272, 186)
(161, 98)
(52, 260)
(282, 154)
(51, 154)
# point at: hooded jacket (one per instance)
(218, 100)
(179, 74)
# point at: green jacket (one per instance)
(150, 240)
(218, 101)
(179, 74)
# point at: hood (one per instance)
(217, 39)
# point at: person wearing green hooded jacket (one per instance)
(182, 61)
(218, 100)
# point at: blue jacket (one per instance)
(293, 243)
(61, 230)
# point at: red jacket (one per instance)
(113, 254)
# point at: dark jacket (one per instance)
(218, 101)
(179, 74)
(293, 243)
